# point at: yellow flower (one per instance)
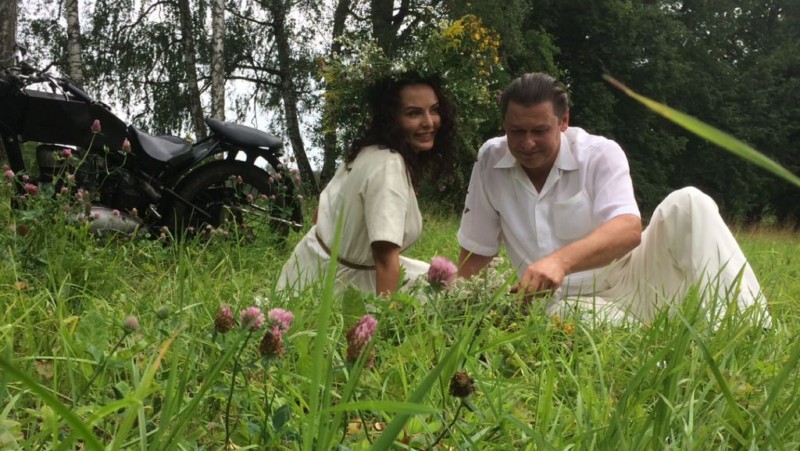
(477, 37)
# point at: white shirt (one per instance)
(589, 184)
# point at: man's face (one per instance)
(534, 135)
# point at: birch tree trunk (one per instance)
(8, 38)
(8, 31)
(218, 59)
(190, 67)
(279, 10)
(330, 151)
(74, 50)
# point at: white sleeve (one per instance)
(479, 232)
(611, 181)
(386, 199)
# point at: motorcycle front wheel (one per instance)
(233, 198)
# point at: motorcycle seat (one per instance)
(166, 149)
(242, 135)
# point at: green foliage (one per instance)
(464, 53)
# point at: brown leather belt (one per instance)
(339, 258)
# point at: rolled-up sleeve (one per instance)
(611, 179)
(479, 232)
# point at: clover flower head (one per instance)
(66, 152)
(126, 146)
(272, 344)
(163, 313)
(281, 318)
(251, 318)
(96, 126)
(461, 385)
(359, 335)
(130, 324)
(9, 174)
(224, 321)
(31, 189)
(442, 272)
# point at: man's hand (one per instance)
(608, 242)
(546, 274)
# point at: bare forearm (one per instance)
(609, 242)
(470, 263)
(387, 267)
(387, 279)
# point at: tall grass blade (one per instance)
(384, 406)
(142, 391)
(80, 428)
(734, 408)
(394, 427)
(320, 363)
(186, 415)
(710, 133)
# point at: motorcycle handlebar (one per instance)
(22, 77)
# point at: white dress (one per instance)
(375, 196)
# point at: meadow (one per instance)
(115, 343)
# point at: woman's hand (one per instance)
(387, 267)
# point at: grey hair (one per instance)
(533, 89)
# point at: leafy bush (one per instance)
(464, 53)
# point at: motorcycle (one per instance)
(234, 178)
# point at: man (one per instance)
(561, 201)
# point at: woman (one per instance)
(411, 134)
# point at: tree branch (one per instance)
(258, 81)
(269, 70)
(144, 15)
(234, 13)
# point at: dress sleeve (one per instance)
(480, 223)
(386, 198)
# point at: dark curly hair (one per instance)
(384, 129)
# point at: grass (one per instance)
(540, 383)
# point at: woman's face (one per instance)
(419, 116)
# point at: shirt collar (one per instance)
(564, 161)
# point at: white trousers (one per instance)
(686, 245)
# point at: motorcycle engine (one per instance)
(114, 186)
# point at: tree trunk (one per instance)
(190, 62)
(8, 38)
(218, 59)
(329, 145)
(8, 31)
(279, 11)
(74, 50)
(381, 14)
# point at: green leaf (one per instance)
(281, 416)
